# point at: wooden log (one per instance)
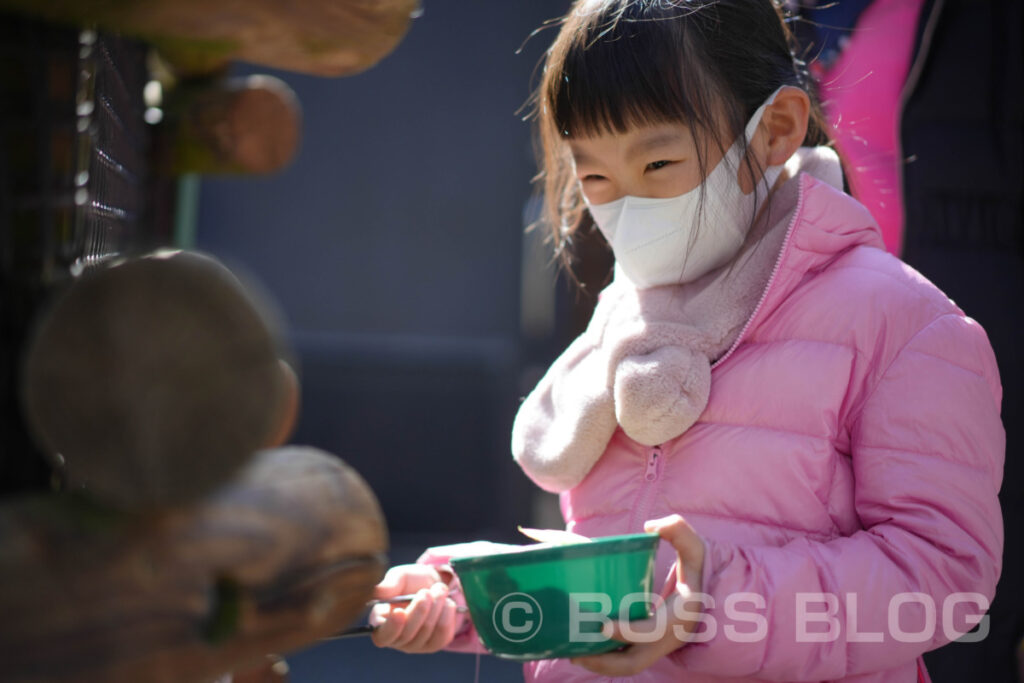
(151, 381)
(235, 125)
(321, 37)
(286, 553)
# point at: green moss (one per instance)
(77, 513)
(225, 611)
(191, 55)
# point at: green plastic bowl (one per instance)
(549, 601)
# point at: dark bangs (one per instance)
(626, 66)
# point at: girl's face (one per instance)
(657, 161)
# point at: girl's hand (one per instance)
(675, 618)
(427, 623)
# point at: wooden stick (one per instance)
(236, 125)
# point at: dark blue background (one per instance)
(394, 246)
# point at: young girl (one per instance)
(811, 426)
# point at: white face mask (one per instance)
(654, 240)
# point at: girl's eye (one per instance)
(655, 165)
(593, 176)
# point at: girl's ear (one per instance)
(786, 119)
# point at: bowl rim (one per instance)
(566, 551)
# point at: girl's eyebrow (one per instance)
(650, 142)
(636, 148)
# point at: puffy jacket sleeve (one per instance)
(927, 448)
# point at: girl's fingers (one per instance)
(391, 585)
(639, 630)
(688, 545)
(653, 638)
(677, 532)
(390, 628)
(415, 614)
(625, 663)
(426, 624)
(404, 579)
(379, 614)
(433, 607)
(443, 630)
(447, 624)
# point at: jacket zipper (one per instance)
(771, 279)
(913, 76)
(652, 471)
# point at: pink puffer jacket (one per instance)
(848, 460)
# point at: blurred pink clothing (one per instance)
(862, 96)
